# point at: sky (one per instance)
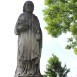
(9, 13)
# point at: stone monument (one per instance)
(29, 43)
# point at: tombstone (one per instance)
(29, 43)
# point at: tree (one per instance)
(61, 17)
(54, 68)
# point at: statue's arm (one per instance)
(39, 33)
(20, 25)
(38, 30)
(39, 38)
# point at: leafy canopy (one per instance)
(54, 68)
(61, 17)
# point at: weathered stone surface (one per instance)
(32, 76)
(29, 43)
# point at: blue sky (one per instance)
(9, 12)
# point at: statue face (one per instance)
(28, 6)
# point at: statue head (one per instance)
(28, 6)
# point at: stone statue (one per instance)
(29, 43)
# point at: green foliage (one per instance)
(61, 17)
(75, 50)
(55, 69)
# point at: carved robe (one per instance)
(29, 37)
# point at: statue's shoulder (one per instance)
(35, 17)
(22, 14)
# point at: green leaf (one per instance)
(75, 51)
(68, 47)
